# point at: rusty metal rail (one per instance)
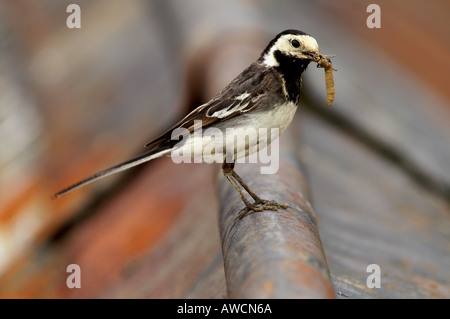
(273, 254)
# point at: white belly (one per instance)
(256, 131)
(280, 117)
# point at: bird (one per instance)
(264, 95)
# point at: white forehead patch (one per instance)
(309, 43)
(283, 44)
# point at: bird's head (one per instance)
(290, 46)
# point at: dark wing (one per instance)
(245, 93)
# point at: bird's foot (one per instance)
(260, 206)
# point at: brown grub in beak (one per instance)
(324, 62)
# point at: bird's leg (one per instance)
(259, 204)
(243, 184)
(228, 171)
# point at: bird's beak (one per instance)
(312, 55)
(316, 56)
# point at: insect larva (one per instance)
(323, 62)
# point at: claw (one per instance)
(259, 207)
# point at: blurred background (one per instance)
(75, 101)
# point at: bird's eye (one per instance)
(295, 43)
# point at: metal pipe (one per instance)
(273, 254)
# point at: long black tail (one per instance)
(144, 157)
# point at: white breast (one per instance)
(280, 117)
(255, 132)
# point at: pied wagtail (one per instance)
(265, 95)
